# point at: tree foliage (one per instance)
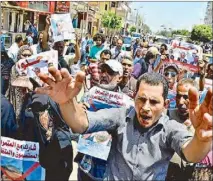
(201, 33)
(164, 33)
(111, 21)
(183, 32)
(132, 29)
(146, 29)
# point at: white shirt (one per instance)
(13, 51)
(114, 52)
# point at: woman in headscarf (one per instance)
(19, 85)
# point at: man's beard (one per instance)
(110, 87)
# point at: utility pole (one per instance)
(87, 18)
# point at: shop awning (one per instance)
(23, 9)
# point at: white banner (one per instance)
(23, 150)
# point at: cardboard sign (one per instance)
(62, 28)
(35, 64)
(20, 161)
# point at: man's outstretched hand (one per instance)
(201, 115)
(62, 87)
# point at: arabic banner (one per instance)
(62, 28)
(20, 161)
(98, 144)
(35, 64)
(100, 99)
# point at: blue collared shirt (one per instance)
(137, 153)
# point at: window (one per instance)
(105, 7)
(113, 4)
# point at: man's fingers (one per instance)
(80, 77)
(193, 98)
(64, 73)
(46, 79)
(208, 98)
(55, 73)
(207, 118)
(43, 90)
(211, 106)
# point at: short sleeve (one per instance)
(177, 136)
(106, 119)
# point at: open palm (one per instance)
(63, 88)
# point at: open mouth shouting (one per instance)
(145, 119)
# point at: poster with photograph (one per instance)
(20, 160)
(62, 28)
(35, 64)
(98, 144)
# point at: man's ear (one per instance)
(119, 79)
(166, 103)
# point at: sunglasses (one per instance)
(178, 96)
(172, 74)
(26, 55)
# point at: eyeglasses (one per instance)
(26, 55)
(178, 96)
(172, 74)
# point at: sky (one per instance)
(175, 15)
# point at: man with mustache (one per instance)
(181, 113)
(143, 141)
(128, 83)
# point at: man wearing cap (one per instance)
(111, 73)
(13, 50)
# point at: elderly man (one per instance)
(117, 52)
(145, 140)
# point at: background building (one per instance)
(208, 16)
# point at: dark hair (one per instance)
(165, 46)
(18, 38)
(154, 79)
(99, 35)
(106, 52)
(149, 55)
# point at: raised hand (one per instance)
(63, 87)
(201, 115)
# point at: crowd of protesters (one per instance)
(149, 141)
